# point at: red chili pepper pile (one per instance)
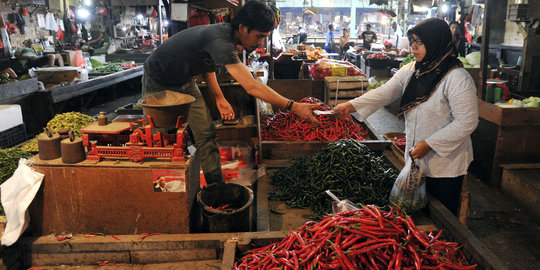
(378, 56)
(368, 238)
(286, 126)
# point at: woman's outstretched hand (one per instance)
(343, 110)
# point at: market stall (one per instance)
(130, 190)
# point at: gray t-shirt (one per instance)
(193, 51)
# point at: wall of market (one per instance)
(31, 29)
(513, 35)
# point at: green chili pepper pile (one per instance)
(347, 168)
(9, 161)
(70, 120)
(368, 238)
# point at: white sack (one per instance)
(17, 193)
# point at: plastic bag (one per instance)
(59, 34)
(339, 206)
(17, 193)
(265, 107)
(409, 190)
(79, 60)
(330, 67)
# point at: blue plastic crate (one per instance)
(13, 136)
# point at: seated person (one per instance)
(29, 58)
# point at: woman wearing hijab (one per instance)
(439, 105)
(458, 38)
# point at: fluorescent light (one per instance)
(83, 13)
(420, 8)
(87, 2)
(140, 16)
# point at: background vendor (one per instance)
(29, 58)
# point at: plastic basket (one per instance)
(13, 136)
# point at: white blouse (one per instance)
(445, 121)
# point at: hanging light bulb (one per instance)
(444, 8)
(83, 13)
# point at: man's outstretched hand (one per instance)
(305, 111)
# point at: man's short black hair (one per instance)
(331, 26)
(368, 25)
(256, 16)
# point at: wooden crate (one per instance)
(346, 82)
(400, 155)
(218, 250)
(113, 197)
(503, 136)
(344, 88)
(334, 102)
(279, 153)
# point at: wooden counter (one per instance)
(504, 135)
(114, 197)
(18, 88)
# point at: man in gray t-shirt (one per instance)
(194, 51)
(198, 50)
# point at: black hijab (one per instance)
(441, 57)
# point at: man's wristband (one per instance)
(289, 105)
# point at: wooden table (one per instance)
(64, 93)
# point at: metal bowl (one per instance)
(166, 106)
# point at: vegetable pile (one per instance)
(368, 238)
(407, 60)
(376, 84)
(471, 60)
(286, 126)
(95, 63)
(74, 121)
(329, 67)
(9, 161)
(378, 55)
(9, 158)
(112, 68)
(347, 168)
